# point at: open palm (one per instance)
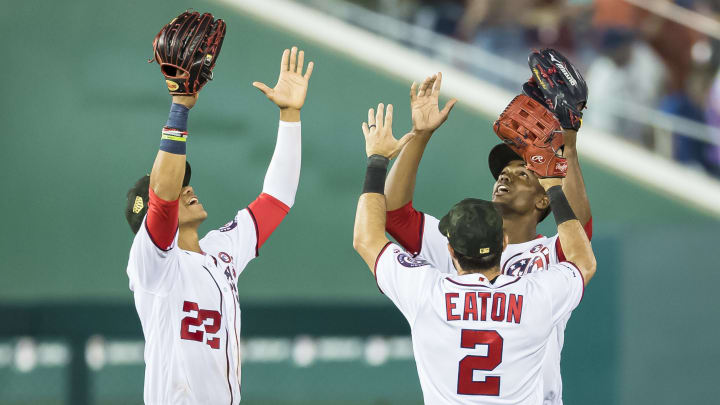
(426, 113)
(379, 139)
(291, 87)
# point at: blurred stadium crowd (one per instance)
(631, 56)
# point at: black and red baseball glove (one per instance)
(558, 85)
(187, 49)
(532, 132)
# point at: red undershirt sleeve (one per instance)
(558, 247)
(161, 221)
(405, 224)
(268, 212)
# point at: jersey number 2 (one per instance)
(199, 321)
(469, 339)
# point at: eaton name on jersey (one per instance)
(482, 306)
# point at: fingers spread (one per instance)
(438, 83)
(389, 116)
(284, 60)
(413, 92)
(300, 61)
(427, 83)
(448, 106)
(379, 115)
(431, 84)
(308, 73)
(264, 88)
(371, 117)
(293, 59)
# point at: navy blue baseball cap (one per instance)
(474, 228)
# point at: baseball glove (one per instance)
(187, 49)
(532, 132)
(556, 83)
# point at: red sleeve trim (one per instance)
(377, 259)
(558, 246)
(267, 213)
(161, 222)
(406, 225)
(589, 228)
(582, 279)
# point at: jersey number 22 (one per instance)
(199, 321)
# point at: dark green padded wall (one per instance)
(81, 117)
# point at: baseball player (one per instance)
(185, 287)
(517, 193)
(479, 336)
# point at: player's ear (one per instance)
(506, 241)
(542, 201)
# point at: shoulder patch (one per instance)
(409, 261)
(229, 226)
(225, 257)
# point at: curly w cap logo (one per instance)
(138, 205)
(537, 159)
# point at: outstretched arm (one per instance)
(283, 174)
(574, 185)
(426, 117)
(380, 146)
(169, 167)
(167, 174)
(575, 242)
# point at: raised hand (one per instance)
(291, 87)
(379, 139)
(426, 113)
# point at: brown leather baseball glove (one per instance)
(187, 49)
(533, 132)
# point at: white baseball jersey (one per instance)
(475, 342)
(517, 260)
(190, 314)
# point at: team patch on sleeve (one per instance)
(409, 261)
(229, 226)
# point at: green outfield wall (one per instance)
(81, 117)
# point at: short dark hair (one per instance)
(474, 264)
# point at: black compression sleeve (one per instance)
(560, 206)
(375, 174)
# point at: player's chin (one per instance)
(501, 197)
(197, 212)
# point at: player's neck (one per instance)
(520, 229)
(490, 274)
(188, 239)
